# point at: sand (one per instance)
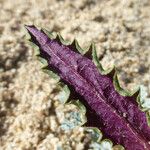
(30, 114)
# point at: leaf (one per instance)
(105, 103)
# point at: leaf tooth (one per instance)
(42, 60)
(73, 46)
(78, 117)
(140, 104)
(35, 47)
(118, 88)
(106, 144)
(136, 93)
(27, 36)
(61, 40)
(96, 60)
(143, 105)
(64, 95)
(111, 71)
(32, 44)
(79, 105)
(95, 133)
(76, 47)
(48, 33)
(82, 110)
(50, 68)
(88, 53)
(69, 89)
(51, 71)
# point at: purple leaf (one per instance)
(115, 113)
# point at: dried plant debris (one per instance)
(116, 112)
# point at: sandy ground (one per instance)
(30, 114)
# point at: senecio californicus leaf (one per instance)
(108, 107)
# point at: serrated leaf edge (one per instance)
(116, 83)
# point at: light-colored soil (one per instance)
(30, 114)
